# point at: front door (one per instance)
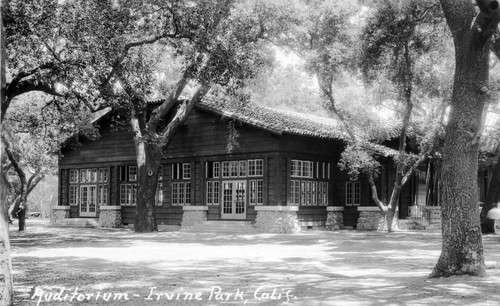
(88, 200)
(234, 200)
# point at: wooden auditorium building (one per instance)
(283, 172)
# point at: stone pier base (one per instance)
(334, 218)
(58, 213)
(372, 219)
(193, 215)
(277, 219)
(110, 216)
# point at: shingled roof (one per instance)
(281, 122)
(277, 121)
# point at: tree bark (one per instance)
(7, 290)
(462, 248)
(148, 162)
(32, 183)
(491, 201)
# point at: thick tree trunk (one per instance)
(148, 162)
(6, 291)
(462, 248)
(488, 225)
(393, 204)
(33, 182)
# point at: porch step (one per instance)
(222, 227)
(77, 222)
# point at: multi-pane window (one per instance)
(226, 172)
(102, 195)
(73, 194)
(94, 178)
(308, 193)
(181, 184)
(181, 171)
(181, 193)
(256, 191)
(73, 176)
(352, 193)
(235, 168)
(128, 194)
(309, 169)
(159, 187)
(128, 187)
(309, 184)
(256, 167)
(301, 168)
(295, 192)
(159, 194)
(103, 175)
(213, 191)
(242, 168)
(132, 173)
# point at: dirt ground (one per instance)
(61, 266)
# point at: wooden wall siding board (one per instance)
(306, 145)
(197, 188)
(114, 145)
(271, 175)
(206, 134)
(74, 211)
(307, 213)
(351, 215)
(167, 185)
(213, 213)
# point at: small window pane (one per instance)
(243, 168)
(186, 171)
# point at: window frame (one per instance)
(353, 193)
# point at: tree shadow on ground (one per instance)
(320, 268)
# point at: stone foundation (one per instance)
(334, 218)
(193, 215)
(58, 213)
(277, 219)
(372, 219)
(110, 216)
(434, 215)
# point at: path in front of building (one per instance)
(65, 266)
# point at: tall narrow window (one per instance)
(352, 193)
(216, 169)
(159, 187)
(225, 169)
(294, 192)
(213, 193)
(242, 168)
(73, 194)
(159, 194)
(181, 185)
(234, 168)
(132, 174)
(73, 176)
(128, 187)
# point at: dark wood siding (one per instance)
(169, 215)
(271, 188)
(128, 214)
(205, 137)
(351, 216)
(312, 216)
(74, 212)
(114, 145)
(206, 134)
